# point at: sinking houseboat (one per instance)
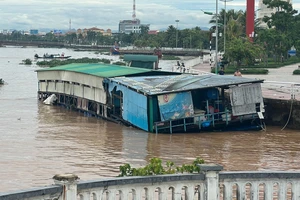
(156, 101)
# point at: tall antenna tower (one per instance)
(70, 24)
(133, 13)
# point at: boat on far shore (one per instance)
(52, 56)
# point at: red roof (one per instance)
(153, 32)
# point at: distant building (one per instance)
(84, 32)
(263, 10)
(33, 32)
(131, 26)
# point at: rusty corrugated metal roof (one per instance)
(152, 85)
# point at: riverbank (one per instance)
(281, 93)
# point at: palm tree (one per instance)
(234, 24)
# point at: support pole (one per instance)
(217, 35)
(210, 58)
(69, 183)
(211, 172)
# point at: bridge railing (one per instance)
(209, 184)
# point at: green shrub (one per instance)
(1, 81)
(155, 167)
(231, 70)
(296, 72)
(120, 63)
(27, 61)
(169, 57)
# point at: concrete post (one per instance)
(211, 172)
(69, 183)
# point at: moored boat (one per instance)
(52, 56)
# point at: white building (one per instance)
(131, 26)
(263, 10)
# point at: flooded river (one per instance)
(38, 141)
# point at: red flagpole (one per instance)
(250, 19)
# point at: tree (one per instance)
(170, 37)
(91, 36)
(144, 30)
(234, 25)
(284, 22)
(243, 51)
(71, 38)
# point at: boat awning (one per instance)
(142, 58)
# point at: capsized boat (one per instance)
(156, 101)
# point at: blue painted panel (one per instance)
(134, 106)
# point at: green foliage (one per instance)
(296, 72)
(54, 62)
(155, 167)
(27, 61)
(120, 63)
(169, 57)
(249, 70)
(243, 51)
(1, 81)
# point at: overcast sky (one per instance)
(56, 14)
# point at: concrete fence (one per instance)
(209, 184)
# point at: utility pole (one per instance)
(217, 34)
(224, 25)
(176, 31)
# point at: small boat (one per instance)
(52, 56)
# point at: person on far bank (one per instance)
(237, 73)
(178, 64)
(221, 72)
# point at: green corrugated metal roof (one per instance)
(143, 58)
(98, 69)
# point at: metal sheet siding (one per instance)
(68, 76)
(51, 87)
(78, 90)
(60, 88)
(42, 86)
(100, 95)
(134, 106)
(69, 89)
(89, 93)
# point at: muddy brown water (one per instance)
(38, 141)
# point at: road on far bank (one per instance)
(279, 83)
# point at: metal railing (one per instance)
(208, 184)
(209, 118)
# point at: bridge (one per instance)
(123, 50)
(211, 183)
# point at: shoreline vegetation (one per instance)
(260, 67)
(55, 62)
(156, 167)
